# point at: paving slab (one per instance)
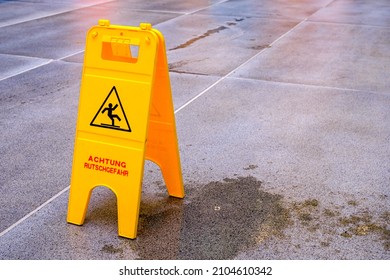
(38, 116)
(16, 12)
(280, 9)
(374, 13)
(13, 12)
(172, 6)
(50, 237)
(195, 40)
(333, 55)
(12, 65)
(336, 137)
(184, 87)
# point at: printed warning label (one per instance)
(111, 114)
(107, 165)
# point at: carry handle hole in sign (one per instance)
(121, 49)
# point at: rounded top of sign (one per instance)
(104, 22)
(145, 26)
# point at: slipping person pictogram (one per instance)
(109, 110)
(115, 113)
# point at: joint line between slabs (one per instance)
(40, 65)
(26, 70)
(33, 212)
(59, 12)
(69, 55)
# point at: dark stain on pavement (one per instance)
(222, 219)
(110, 249)
(331, 223)
(250, 167)
(363, 224)
(216, 221)
(204, 35)
(260, 47)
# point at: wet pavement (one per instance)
(283, 118)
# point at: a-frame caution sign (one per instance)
(109, 115)
(125, 116)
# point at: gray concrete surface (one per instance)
(283, 119)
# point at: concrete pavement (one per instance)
(283, 119)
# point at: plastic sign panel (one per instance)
(125, 116)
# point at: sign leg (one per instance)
(78, 203)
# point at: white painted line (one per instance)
(26, 70)
(199, 95)
(203, 8)
(53, 14)
(69, 55)
(33, 212)
(288, 32)
(310, 85)
(39, 65)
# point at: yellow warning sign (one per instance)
(125, 116)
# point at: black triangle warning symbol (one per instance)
(111, 114)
